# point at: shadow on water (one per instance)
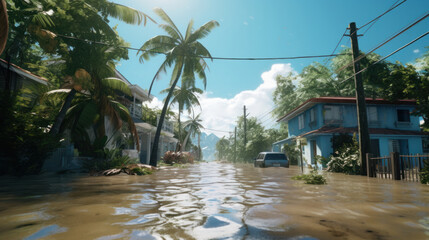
(212, 201)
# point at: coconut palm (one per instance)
(193, 126)
(185, 98)
(187, 55)
(93, 26)
(96, 91)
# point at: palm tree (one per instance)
(193, 126)
(185, 97)
(4, 25)
(97, 12)
(185, 53)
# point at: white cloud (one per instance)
(416, 50)
(155, 103)
(221, 113)
(252, 17)
(245, 23)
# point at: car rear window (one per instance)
(275, 156)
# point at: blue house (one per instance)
(392, 126)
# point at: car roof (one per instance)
(270, 152)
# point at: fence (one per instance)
(397, 167)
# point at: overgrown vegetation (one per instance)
(24, 141)
(346, 159)
(424, 173)
(292, 152)
(312, 178)
(107, 159)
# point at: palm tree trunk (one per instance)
(154, 152)
(199, 147)
(185, 141)
(61, 115)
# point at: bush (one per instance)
(346, 162)
(312, 178)
(346, 159)
(177, 157)
(292, 153)
(24, 139)
(424, 174)
(108, 159)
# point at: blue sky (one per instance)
(275, 28)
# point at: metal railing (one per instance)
(397, 167)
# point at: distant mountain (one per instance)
(208, 145)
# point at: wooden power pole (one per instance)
(364, 141)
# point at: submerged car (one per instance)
(271, 159)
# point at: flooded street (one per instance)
(212, 201)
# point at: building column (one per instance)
(149, 140)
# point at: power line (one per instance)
(397, 50)
(383, 43)
(214, 58)
(217, 130)
(372, 24)
(342, 36)
(381, 15)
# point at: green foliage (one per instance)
(24, 141)
(312, 178)
(322, 160)
(292, 152)
(346, 160)
(424, 173)
(107, 159)
(141, 171)
(387, 80)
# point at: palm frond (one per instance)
(167, 19)
(43, 19)
(189, 29)
(126, 14)
(170, 31)
(162, 68)
(203, 31)
(116, 84)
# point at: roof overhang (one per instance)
(24, 73)
(343, 100)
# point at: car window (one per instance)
(275, 156)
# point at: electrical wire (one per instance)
(397, 50)
(383, 43)
(342, 36)
(217, 130)
(374, 22)
(214, 58)
(381, 15)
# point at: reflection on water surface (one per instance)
(212, 201)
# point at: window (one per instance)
(312, 115)
(332, 113)
(301, 121)
(403, 115)
(372, 114)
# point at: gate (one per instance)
(397, 167)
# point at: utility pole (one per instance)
(235, 144)
(245, 127)
(364, 141)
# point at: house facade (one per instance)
(146, 131)
(321, 121)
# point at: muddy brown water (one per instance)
(212, 201)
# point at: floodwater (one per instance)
(212, 201)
